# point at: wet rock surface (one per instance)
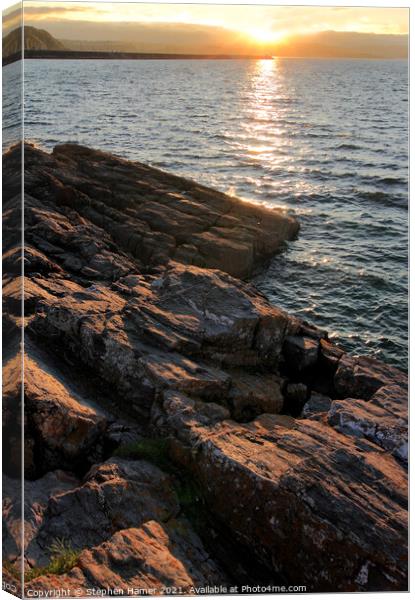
(137, 327)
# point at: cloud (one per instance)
(53, 11)
(11, 20)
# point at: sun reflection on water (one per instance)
(265, 137)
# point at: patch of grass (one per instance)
(192, 503)
(63, 559)
(189, 495)
(155, 450)
(11, 569)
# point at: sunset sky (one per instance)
(229, 27)
(264, 22)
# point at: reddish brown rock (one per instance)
(253, 395)
(362, 376)
(153, 215)
(183, 330)
(66, 428)
(316, 506)
(154, 559)
(117, 293)
(383, 419)
(115, 495)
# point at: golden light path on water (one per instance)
(263, 138)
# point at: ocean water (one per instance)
(327, 139)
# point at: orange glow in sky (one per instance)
(264, 23)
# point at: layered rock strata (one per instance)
(139, 325)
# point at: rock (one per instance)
(330, 354)
(180, 415)
(115, 495)
(66, 428)
(316, 407)
(88, 323)
(141, 336)
(383, 419)
(314, 505)
(311, 331)
(123, 432)
(362, 376)
(252, 395)
(171, 370)
(301, 353)
(36, 497)
(135, 326)
(124, 516)
(323, 374)
(12, 413)
(193, 310)
(295, 397)
(153, 215)
(154, 559)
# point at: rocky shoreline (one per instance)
(180, 431)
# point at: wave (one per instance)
(388, 200)
(349, 147)
(392, 181)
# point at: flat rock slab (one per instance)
(153, 215)
(186, 328)
(311, 503)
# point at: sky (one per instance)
(264, 22)
(176, 27)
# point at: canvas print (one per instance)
(205, 279)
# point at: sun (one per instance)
(266, 36)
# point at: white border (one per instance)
(380, 4)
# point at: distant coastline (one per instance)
(85, 55)
(40, 44)
(91, 55)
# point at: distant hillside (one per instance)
(99, 46)
(34, 39)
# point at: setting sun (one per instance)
(266, 36)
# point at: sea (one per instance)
(325, 139)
